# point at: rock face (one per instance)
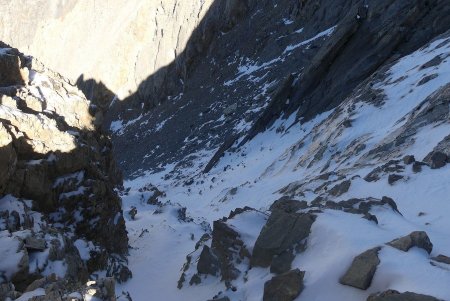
(418, 239)
(362, 270)
(285, 287)
(57, 177)
(343, 40)
(118, 38)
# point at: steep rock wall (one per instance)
(116, 42)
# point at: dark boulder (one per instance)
(208, 263)
(362, 270)
(438, 160)
(394, 178)
(282, 232)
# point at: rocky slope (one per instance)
(58, 206)
(288, 150)
(351, 205)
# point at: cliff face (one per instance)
(58, 206)
(117, 42)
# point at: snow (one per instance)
(10, 249)
(255, 175)
(118, 127)
(29, 295)
(322, 34)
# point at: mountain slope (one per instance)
(347, 163)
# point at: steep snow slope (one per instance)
(353, 151)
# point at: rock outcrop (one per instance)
(58, 205)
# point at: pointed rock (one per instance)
(362, 269)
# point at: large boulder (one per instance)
(362, 270)
(283, 231)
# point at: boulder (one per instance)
(409, 159)
(362, 269)
(418, 239)
(392, 295)
(417, 166)
(285, 287)
(282, 232)
(438, 160)
(394, 178)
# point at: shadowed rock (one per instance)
(282, 231)
(208, 263)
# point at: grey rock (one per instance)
(195, 280)
(426, 79)
(392, 295)
(35, 244)
(208, 263)
(417, 166)
(394, 178)
(362, 269)
(285, 287)
(227, 245)
(442, 259)
(282, 263)
(438, 160)
(417, 239)
(288, 205)
(14, 221)
(340, 188)
(437, 60)
(282, 231)
(409, 159)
